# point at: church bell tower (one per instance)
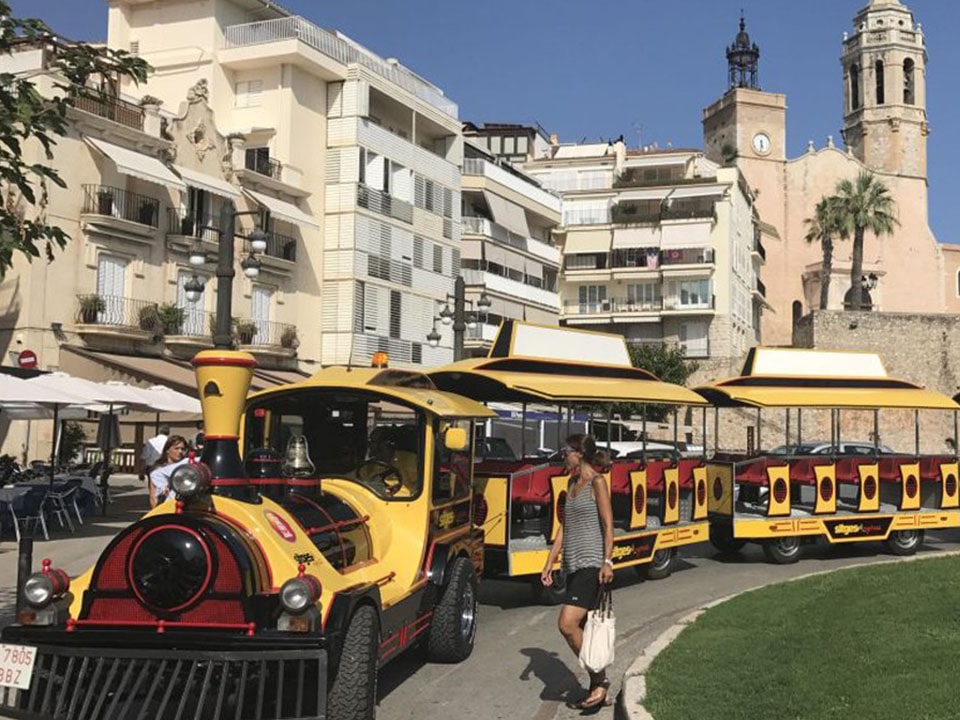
(884, 78)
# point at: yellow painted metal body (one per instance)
(826, 488)
(868, 497)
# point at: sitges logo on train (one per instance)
(280, 526)
(874, 527)
(635, 550)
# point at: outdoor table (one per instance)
(12, 492)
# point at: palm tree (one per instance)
(863, 204)
(822, 227)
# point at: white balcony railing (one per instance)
(479, 166)
(495, 231)
(506, 286)
(336, 47)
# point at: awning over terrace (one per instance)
(138, 165)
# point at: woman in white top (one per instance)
(174, 455)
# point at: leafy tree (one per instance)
(668, 363)
(863, 204)
(26, 116)
(823, 227)
(71, 442)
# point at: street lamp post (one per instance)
(458, 316)
(223, 332)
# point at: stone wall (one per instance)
(923, 349)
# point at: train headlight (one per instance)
(299, 594)
(190, 480)
(43, 588)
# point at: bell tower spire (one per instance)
(884, 76)
(743, 60)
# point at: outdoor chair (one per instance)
(30, 509)
(60, 500)
(6, 510)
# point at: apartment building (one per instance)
(508, 254)
(659, 245)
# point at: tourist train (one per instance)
(334, 523)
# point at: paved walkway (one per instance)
(73, 551)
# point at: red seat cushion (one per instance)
(620, 476)
(533, 486)
(685, 467)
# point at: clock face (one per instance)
(761, 143)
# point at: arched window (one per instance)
(908, 92)
(797, 312)
(879, 72)
(854, 87)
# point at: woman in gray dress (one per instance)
(586, 541)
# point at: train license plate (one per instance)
(16, 665)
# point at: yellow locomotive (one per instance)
(284, 575)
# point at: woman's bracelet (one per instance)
(608, 561)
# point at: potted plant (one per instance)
(149, 318)
(245, 330)
(90, 307)
(147, 213)
(288, 338)
(186, 226)
(105, 201)
(171, 318)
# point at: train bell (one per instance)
(298, 462)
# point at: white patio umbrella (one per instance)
(27, 399)
(172, 401)
(92, 393)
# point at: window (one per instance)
(452, 471)
(908, 88)
(258, 160)
(694, 339)
(346, 437)
(111, 287)
(247, 93)
(854, 87)
(878, 68)
(692, 293)
(593, 298)
(643, 296)
(395, 304)
(260, 301)
(522, 145)
(437, 259)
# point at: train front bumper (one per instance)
(99, 676)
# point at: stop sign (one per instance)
(27, 359)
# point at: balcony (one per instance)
(263, 165)
(687, 256)
(613, 306)
(513, 181)
(337, 49)
(186, 225)
(281, 247)
(120, 212)
(631, 213)
(512, 288)
(111, 108)
(688, 209)
(689, 303)
(109, 322)
(490, 229)
(759, 252)
(384, 204)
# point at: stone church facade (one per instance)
(885, 131)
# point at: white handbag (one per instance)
(599, 634)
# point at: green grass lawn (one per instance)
(873, 643)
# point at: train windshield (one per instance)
(327, 433)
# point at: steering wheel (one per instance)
(383, 472)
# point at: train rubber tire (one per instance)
(454, 625)
(904, 542)
(782, 551)
(660, 566)
(353, 693)
(721, 537)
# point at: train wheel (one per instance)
(454, 623)
(552, 595)
(782, 551)
(660, 567)
(904, 542)
(353, 694)
(721, 537)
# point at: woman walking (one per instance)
(173, 456)
(586, 539)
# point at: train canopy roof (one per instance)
(409, 387)
(533, 363)
(782, 377)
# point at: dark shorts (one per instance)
(583, 588)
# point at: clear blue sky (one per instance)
(642, 68)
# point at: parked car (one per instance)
(495, 448)
(826, 448)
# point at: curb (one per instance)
(633, 690)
